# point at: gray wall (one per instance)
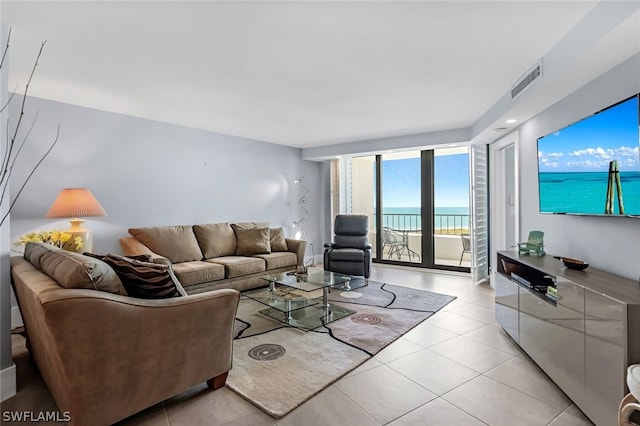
(147, 173)
(608, 243)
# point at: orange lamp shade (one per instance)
(75, 202)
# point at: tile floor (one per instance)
(456, 368)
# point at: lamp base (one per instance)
(78, 230)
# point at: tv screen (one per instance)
(592, 167)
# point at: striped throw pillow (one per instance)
(144, 280)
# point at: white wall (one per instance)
(147, 173)
(608, 243)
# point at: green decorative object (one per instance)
(534, 244)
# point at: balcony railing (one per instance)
(447, 224)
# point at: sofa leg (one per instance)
(218, 381)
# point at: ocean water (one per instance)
(458, 217)
(586, 192)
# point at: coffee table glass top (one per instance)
(314, 280)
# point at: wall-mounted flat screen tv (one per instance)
(592, 167)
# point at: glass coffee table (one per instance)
(294, 299)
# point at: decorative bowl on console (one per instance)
(576, 264)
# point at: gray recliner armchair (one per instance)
(350, 252)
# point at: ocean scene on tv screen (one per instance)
(574, 164)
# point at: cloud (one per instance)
(622, 151)
(591, 159)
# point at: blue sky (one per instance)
(590, 144)
(401, 181)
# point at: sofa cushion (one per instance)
(144, 280)
(198, 272)
(235, 266)
(73, 270)
(215, 239)
(176, 243)
(278, 241)
(252, 241)
(249, 225)
(279, 259)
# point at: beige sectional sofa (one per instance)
(105, 355)
(218, 255)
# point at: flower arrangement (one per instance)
(55, 237)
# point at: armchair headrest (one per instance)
(351, 225)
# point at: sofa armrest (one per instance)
(118, 355)
(132, 246)
(299, 247)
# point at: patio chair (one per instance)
(466, 246)
(394, 241)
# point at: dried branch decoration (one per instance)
(13, 146)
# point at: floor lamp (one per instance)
(300, 234)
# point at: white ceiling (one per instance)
(305, 74)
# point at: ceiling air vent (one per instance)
(527, 80)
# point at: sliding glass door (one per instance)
(451, 230)
(417, 203)
(401, 207)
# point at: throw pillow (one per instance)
(252, 241)
(73, 270)
(176, 243)
(278, 241)
(215, 239)
(144, 280)
(140, 257)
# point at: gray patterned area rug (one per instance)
(277, 367)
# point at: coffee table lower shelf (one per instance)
(309, 317)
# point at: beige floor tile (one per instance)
(500, 405)
(329, 407)
(572, 416)
(495, 337)
(437, 413)
(199, 405)
(476, 312)
(457, 303)
(478, 294)
(384, 393)
(152, 416)
(427, 334)
(472, 354)
(367, 365)
(568, 419)
(397, 349)
(450, 285)
(256, 419)
(522, 374)
(433, 371)
(454, 322)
